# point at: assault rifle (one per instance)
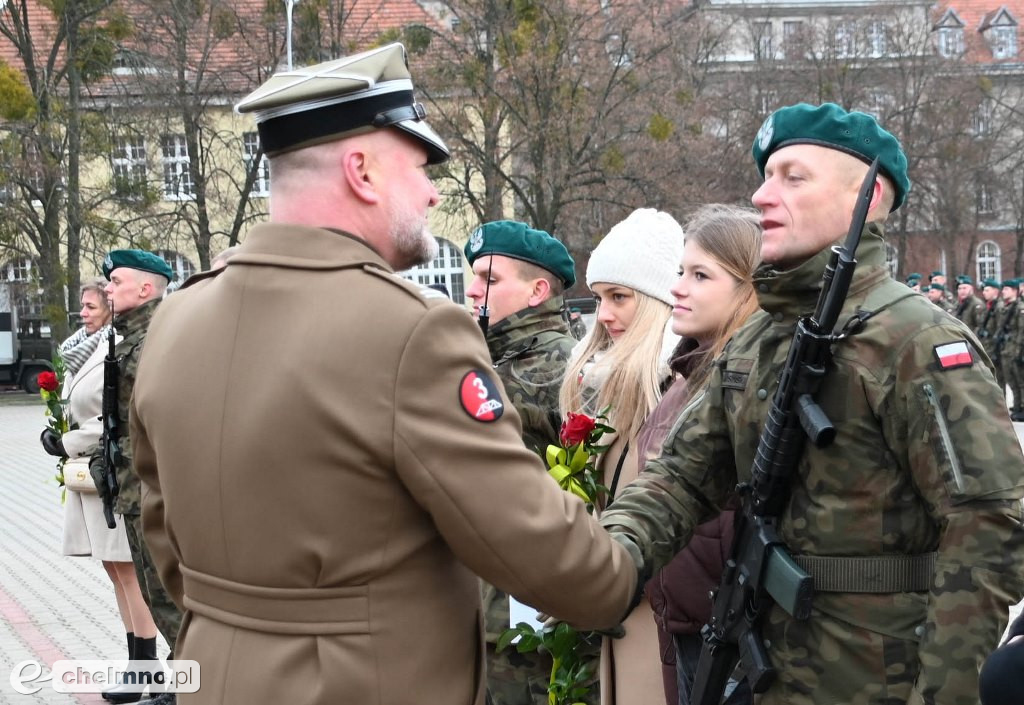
(110, 443)
(760, 571)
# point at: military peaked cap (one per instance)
(829, 125)
(340, 98)
(137, 259)
(519, 241)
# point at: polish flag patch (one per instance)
(953, 355)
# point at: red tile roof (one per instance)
(977, 17)
(230, 61)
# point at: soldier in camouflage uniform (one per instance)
(970, 310)
(138, 280)
(936, 293)
(925, 472)
(939, 277)
(519, 276)
(989, 325)
(1007, 344)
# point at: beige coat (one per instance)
(85, 531)
(318, 498)
(630, 671)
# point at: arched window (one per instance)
(989, 259)
(445, 269)
(182, 268)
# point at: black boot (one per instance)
(130, 638)
(162, 699)
(137, 675)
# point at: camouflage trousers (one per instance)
(1013, 375)
(165, 612)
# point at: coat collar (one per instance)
(302, 247)
(794, 292)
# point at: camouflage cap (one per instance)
(829, 125)
(519, 241)
(340, 98)
(137, 259)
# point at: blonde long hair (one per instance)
(732, 237)
(625, 375)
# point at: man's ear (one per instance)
(358, 176)
(541, 289)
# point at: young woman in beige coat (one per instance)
(622, 364)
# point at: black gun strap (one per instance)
(872, 574)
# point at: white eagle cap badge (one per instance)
(476, 240)
(765, 134)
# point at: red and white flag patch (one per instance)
(480, 397)
(953, 355)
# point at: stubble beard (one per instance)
(411, 237)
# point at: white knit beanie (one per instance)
(642, 252)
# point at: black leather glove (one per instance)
(52, 443)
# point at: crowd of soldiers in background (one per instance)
(995, 317)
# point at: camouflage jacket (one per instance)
(132, 325)
(530, 350)
(970, 312)
(989, 325)
(1006, 331)
(925, 460)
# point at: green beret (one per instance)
(938, 273)
(990, 282)
(829, 125)
(519, 241)
(964, 279)
(1012, 283)
(938, 287)
(137, 259)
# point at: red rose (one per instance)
(576, 428)
(48, 381)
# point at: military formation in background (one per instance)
(995, 317)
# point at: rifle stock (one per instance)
(760, 572)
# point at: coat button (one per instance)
(762, 394)
(919, 630)
(763, 288)
(777, 317)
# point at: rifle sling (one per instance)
(871, 574)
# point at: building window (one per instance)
(989, 260)
(876, 32)
(179, 264)
(1004, 42)
(844, 40)
(983, 118)
(251, 147)
(26, 297)
(951, 41)
(446, 269)
(18, 270)
(178, 184)
(763, 40)
(128, 164)
(793, 40)
(984, 200)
